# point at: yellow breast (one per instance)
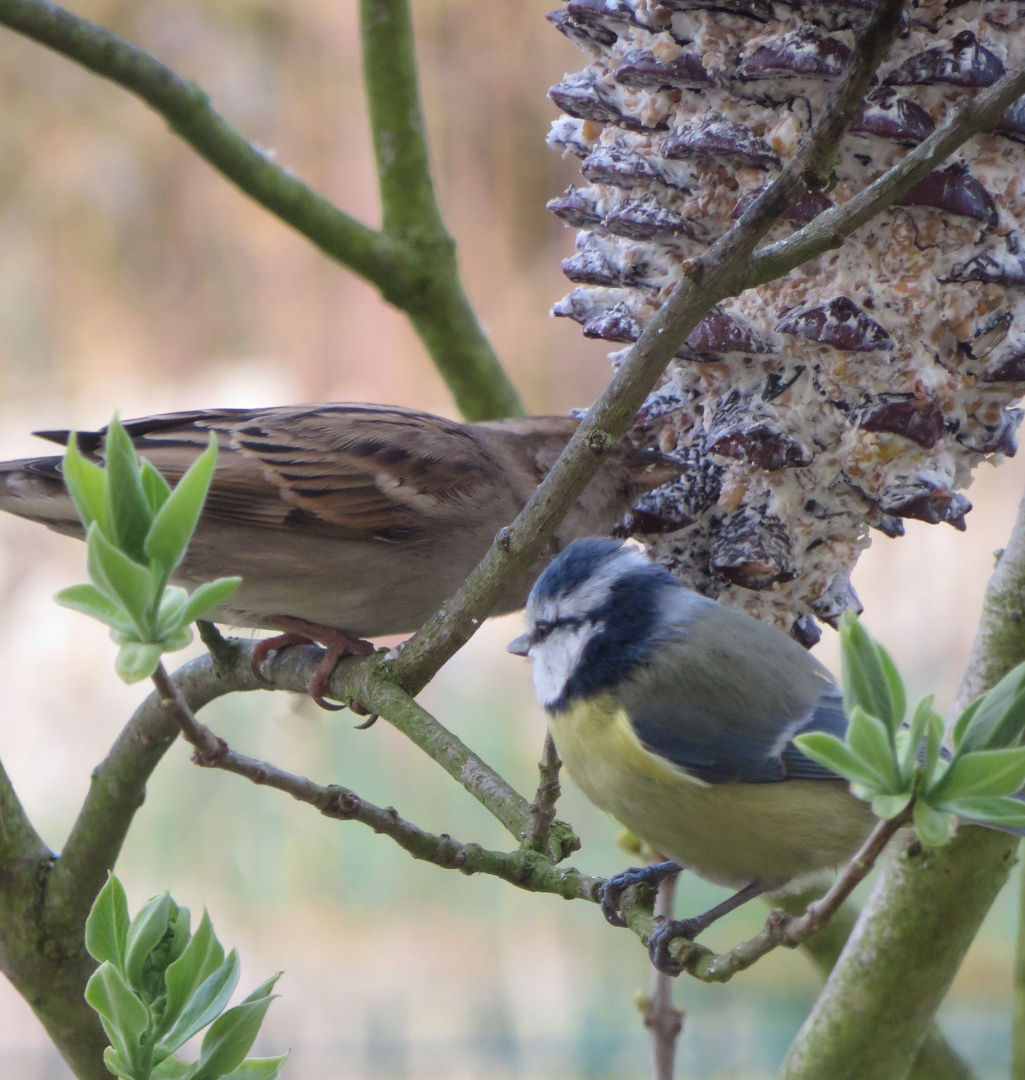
(731, 833)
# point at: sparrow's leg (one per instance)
(338, 644)
(613, 889)
(667, 929)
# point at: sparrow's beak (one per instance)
(520, 646)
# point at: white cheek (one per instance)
(556, 658)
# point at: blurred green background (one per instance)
(133, 277)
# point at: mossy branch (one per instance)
(413, 266)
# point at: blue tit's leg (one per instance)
(613, 889)
(667, 929)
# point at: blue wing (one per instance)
(720, 757)
(724, 700)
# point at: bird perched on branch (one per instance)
(347, 521)
(675, 715)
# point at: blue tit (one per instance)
(675, 715)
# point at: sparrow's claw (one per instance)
(337, 644)
(360, 710)
(613, 889)
(664, 933)
(265, 646)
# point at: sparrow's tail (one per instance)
(34, 489)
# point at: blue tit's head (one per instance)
(594, 614)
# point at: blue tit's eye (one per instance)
(542, 630)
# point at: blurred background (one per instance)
(133, 277)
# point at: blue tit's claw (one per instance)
(612, 891)
(665, 932)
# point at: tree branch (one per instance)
(408, 204)
(542, 809)
(937, 1059)
(20, 844)
(416, 274)
(441, 312)
(387, 700)
(832, 227)
(525, 869)
(661, 1017)
(927, 905)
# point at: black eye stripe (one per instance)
(543, 627)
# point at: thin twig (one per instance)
(542, 809)
(525, 869)
(662, 1018)
(376, 693)
(819, 912)
(208, 747)
(417, 274)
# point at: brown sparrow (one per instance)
(348, 521)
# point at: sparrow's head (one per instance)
(594, 614)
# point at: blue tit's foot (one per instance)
(665, 933)
(613, 889)
(668, 929)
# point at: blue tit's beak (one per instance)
(520, 646)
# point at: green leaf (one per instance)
(895, 686)
(933, 826)
(915, 733)
(123, 1015)
(982, 772)
(208, 596)
(172, 604)
(156, 487)
(136, 661)
(867, 675)
(121, 579)
(258, 1069)
(995, 810)
(148, 927)
(176, 520)
(1000, 716)
(934, 731)
(834, 754)
(263, 990)
(116, 1064)
(90, 601)
(230, 1037)
(201, 958)
(174, 640)
(868, 737)
(106, 928)
(182, 936)
(889, 806)
(85, 484)
(961, 726)
(172, 1068)
(205, 1003)
(128, 510)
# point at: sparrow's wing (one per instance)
(351, 470)
(724, 707)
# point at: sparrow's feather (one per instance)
(361, 517)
